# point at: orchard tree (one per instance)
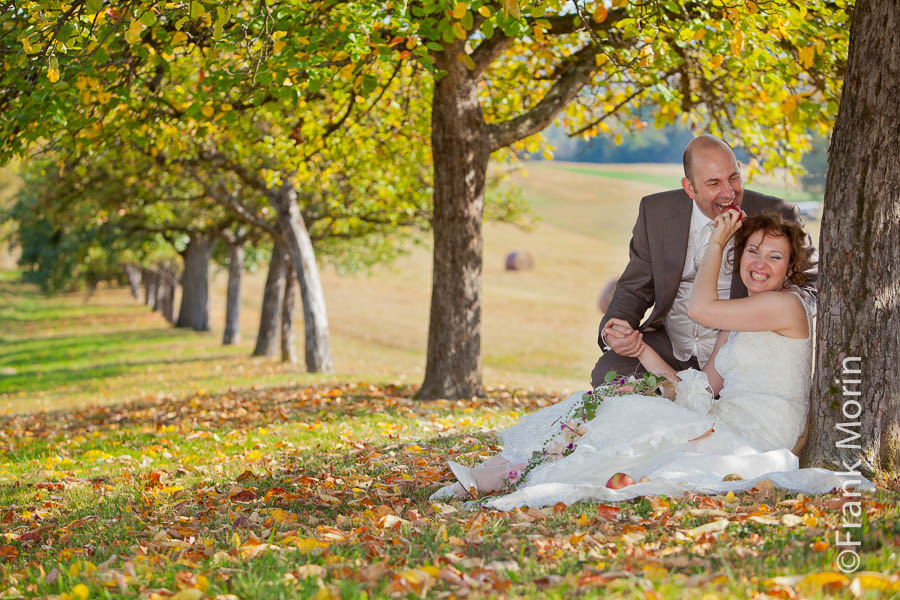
(83, 69)
(762, 74)
(856, 388)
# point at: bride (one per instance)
(736, 420)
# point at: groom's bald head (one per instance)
(699, 145)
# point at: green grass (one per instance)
(282, 490)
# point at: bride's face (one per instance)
(765, 264)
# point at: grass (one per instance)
(255, 488)
(141, 461)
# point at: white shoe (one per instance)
(466, 478)
(453, 491)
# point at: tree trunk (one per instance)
(453, 368)
(303, 258)
(288, 347)
(151, 287)
(232, 334)
(133, 274)
(194, 311)
(856, 392)
(166, 295)
(267, 335)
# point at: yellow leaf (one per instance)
(619, 3)
(807, 56)
(133, 35)
(699, 34)
(278, 35)
(459, 10)
(511, 7)
(600, 13)
(306, 545)
(81, 592)
(484, 11)
(466, 60)
(458, 31)
(188, 594)
(820, 580)
(179, 37)
(202, 583)
(278, 46)
(872, 581)
(737, 43)
(53, 75)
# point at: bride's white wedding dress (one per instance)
(760, 414)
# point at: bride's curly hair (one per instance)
(775, 225)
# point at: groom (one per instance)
(668, 241)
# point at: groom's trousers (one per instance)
(625, 365)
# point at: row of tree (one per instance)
(343, 125)
(336, 120)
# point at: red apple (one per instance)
(733, 206)
(619, 480)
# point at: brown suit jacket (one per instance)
(657, 253)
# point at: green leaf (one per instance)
(93, 6)
(197, 9)
(610, 375)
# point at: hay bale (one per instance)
(606, 295)
(519, 260)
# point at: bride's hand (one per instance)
(726, 225)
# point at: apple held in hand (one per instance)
(737, 208)
(619, 480)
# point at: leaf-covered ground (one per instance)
(321, 490)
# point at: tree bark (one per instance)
(232, 335)
(194, 311)
(166, 295)
(133, 274)
(151, 287)
(461, 153)
(267, 335)
(856, 392)
(303, 259)
(288, 346)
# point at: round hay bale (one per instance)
(519, 260)
(606, 295)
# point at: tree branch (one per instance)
(563, 91)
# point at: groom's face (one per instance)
(716, 181)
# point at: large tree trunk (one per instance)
(461, 154)
(856, 392)
(133, 274)
(299, 246)
(288, 347)
(194, 311)
(232, 334)
(267, 335)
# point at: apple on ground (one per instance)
(619, 480)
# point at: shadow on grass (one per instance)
(54, 348)
(50, 378)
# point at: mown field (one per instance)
(141, 461)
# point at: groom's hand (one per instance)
(622, 338)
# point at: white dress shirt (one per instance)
(688, 337)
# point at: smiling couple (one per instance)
(721, 268)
